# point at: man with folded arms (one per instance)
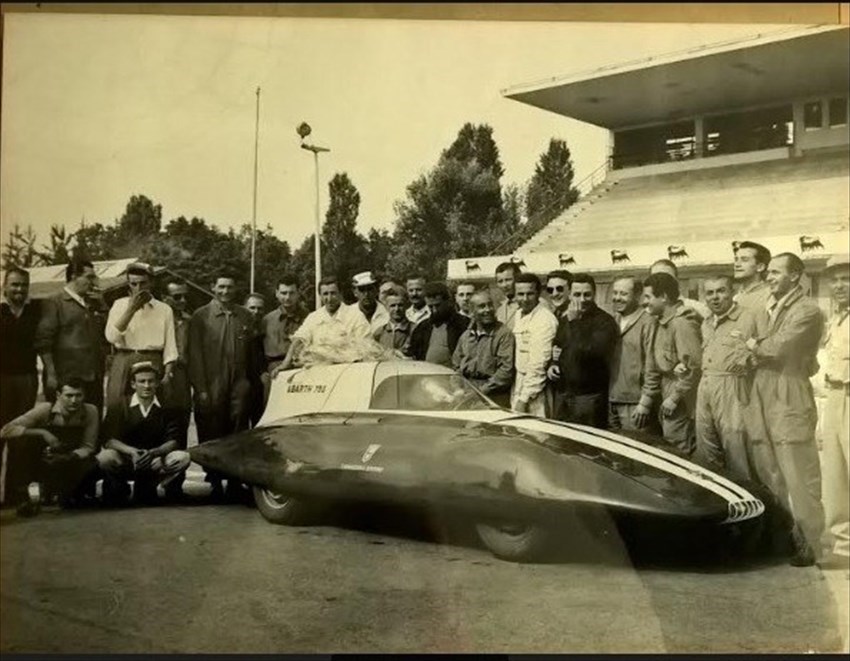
(141, 443)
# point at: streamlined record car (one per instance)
(412, 433)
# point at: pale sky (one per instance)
(98, 108)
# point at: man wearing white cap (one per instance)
(140, 328)
(836, 419)
(366, 290)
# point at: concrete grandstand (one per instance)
(742, 140)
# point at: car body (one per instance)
(413, 433)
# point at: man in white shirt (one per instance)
(534, 331)
(331, 323)
(140, 328)
(366, 291)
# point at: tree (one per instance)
(95, 242)
(58, 250)
(198, 251)
(273, 259)
(475, 143)
(344, 250)
(20, 250)
(550, 191)
(304, 270)
(141, 218)
(453, 211)
(379, 247)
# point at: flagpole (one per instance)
(254, 212)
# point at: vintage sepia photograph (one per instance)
(398, 329)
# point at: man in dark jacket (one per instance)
(628, 365)
(434, 339)
(581, 357)
(219, 336)
(70, 335)
(141, 441)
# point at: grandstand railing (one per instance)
(584, 187)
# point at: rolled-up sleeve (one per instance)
(37, 417)
(305, 330)
(113, 335)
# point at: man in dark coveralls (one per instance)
(220, 333)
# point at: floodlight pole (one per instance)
(318, 242)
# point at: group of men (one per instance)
(726, 381)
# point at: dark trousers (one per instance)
(590, 409)
(222, 418)
(62, 473)
(17, 396)
(257, 401)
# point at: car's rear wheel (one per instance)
(283, 509)
(514, 541)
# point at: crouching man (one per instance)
(142, 444)
(53, 444)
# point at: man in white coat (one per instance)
(534, 331)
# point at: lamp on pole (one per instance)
(304, 130)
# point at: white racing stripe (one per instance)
(626, 447)
(637, 452)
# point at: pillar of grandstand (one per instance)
(746, 140)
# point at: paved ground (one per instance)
(202, 578)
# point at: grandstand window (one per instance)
(838, 111)
(749, 130)
(813, 115)
(654, 144)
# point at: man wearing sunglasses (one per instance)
(558, 288)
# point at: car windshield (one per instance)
(428, 392)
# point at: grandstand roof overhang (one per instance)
(751, 72)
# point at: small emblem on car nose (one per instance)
(370, 452)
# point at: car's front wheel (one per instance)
(516, 542)
(283, 509)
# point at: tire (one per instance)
(514, 542)
(281, 509)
